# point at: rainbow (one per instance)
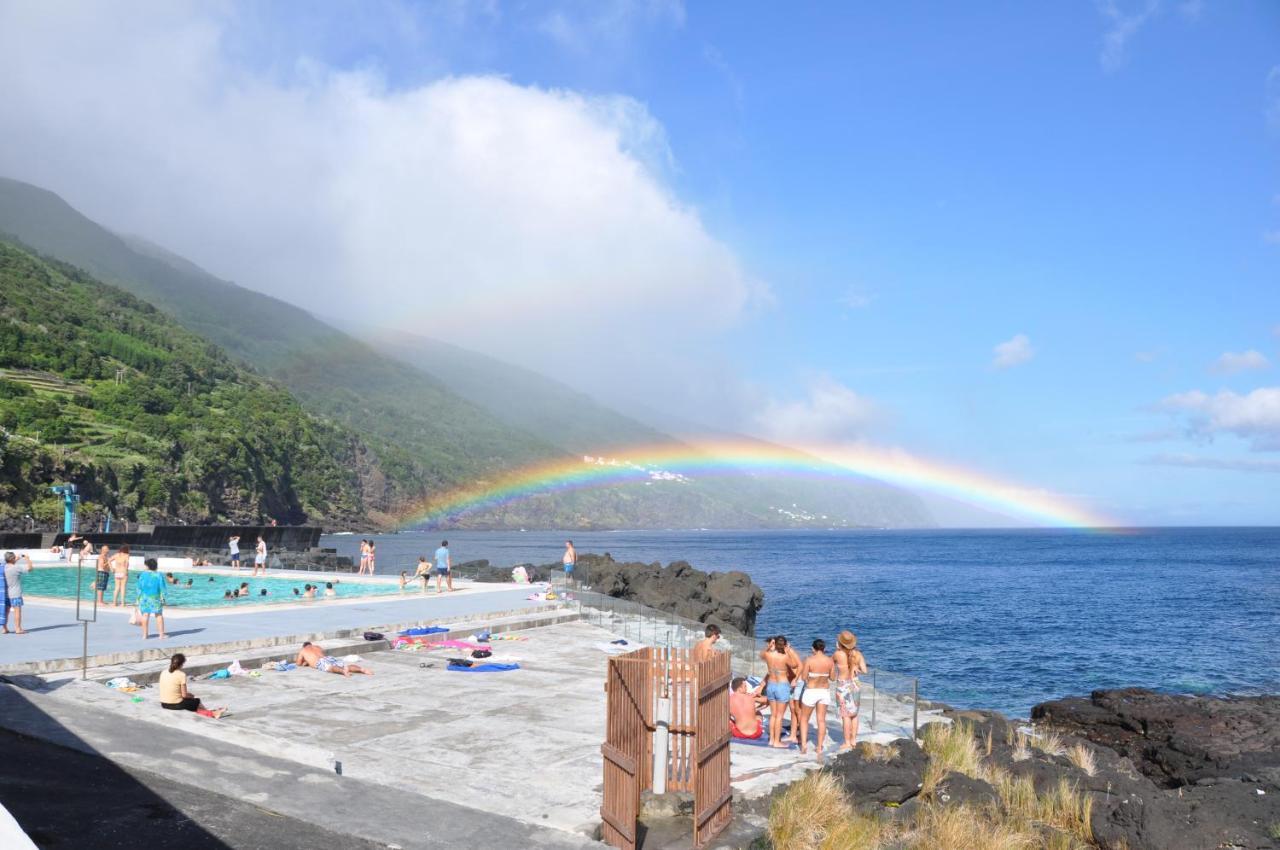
(676, 461)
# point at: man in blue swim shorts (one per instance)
(444, 565)
(312, 655)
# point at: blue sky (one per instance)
(903, 187)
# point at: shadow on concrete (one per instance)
(65, 794)
(49, 628)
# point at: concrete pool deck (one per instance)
(519, 749)
(54, 638)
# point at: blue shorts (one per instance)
(442, 571)
(568, 568)
(777, 692)
(13, 601)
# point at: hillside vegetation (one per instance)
(100, 388)
(430, 417)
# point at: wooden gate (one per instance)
(698, 739)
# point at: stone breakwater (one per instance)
(1162, 772)
(729, 599)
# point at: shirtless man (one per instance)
(312, 655)
(705, 648)
(780, 664)
(102, 572)
(849, 666)
(744, 710)
(260, 557)
(816, 673)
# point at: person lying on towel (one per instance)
(744, 710)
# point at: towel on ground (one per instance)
(424, 630)
(484, 668)
(617, 649)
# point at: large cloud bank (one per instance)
(529, 222)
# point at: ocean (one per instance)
(985, 619)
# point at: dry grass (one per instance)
(1083, 758)
(1049, 742)
(963, 828)
(877, 752)
(951, 747)
(1022, 747)
(808, 812)
(815, 814)
(859, 832)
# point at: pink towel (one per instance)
(456, 644)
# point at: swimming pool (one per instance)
(206, 591)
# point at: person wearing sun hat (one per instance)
(849, 665)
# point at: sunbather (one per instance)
(745, 720)
(312, 655)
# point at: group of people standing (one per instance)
(368, 558)
(804, 688)
(259, 554)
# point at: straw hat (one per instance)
(847, 640)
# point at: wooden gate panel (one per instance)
(712, 794)
(626, 749)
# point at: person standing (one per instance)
(444, 566)
(373, 557)
(705, 648)
(849, 666)
(779, 664)
(260, 556)
(234, 545)
(11, 590)
(120, 569)
(815, 696)
(364, 557)
(151, 598)
(570, 561)
(102, 571)
(174, 694)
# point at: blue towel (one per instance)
(424, 630)
(485, 668)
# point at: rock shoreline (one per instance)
(730, 599)
(1161, 772)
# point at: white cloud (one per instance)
(1122, 25)
(604, 27)
(1254, 416)
(1146, 356)
(1191, 461)
(1271, 237)
(831, 412)
(533, 223)
(855, 299)
(1013, 351)
(1231, 362)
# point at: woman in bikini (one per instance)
(780, 664)
(364, 557)
(373, 557)
(815, 673)
(120, 567)
(849, 666)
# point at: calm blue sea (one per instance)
(986, 619)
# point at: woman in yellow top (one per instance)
(174, 694)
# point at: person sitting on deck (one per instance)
(312, 655)
(745, 720)
(174, 694)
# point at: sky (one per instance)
(1040, 241)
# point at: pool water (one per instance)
(206, 591)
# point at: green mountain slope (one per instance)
(100, 388)
(435, 417)
(425, 438)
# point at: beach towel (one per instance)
(424, 630)
(618, 649)
(234, 669)
(484, 668)
(455, 644)
(219, 674)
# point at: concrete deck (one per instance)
(522, 746)
(54, 638)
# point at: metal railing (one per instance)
(890, 700)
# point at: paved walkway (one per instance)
(53, 632)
